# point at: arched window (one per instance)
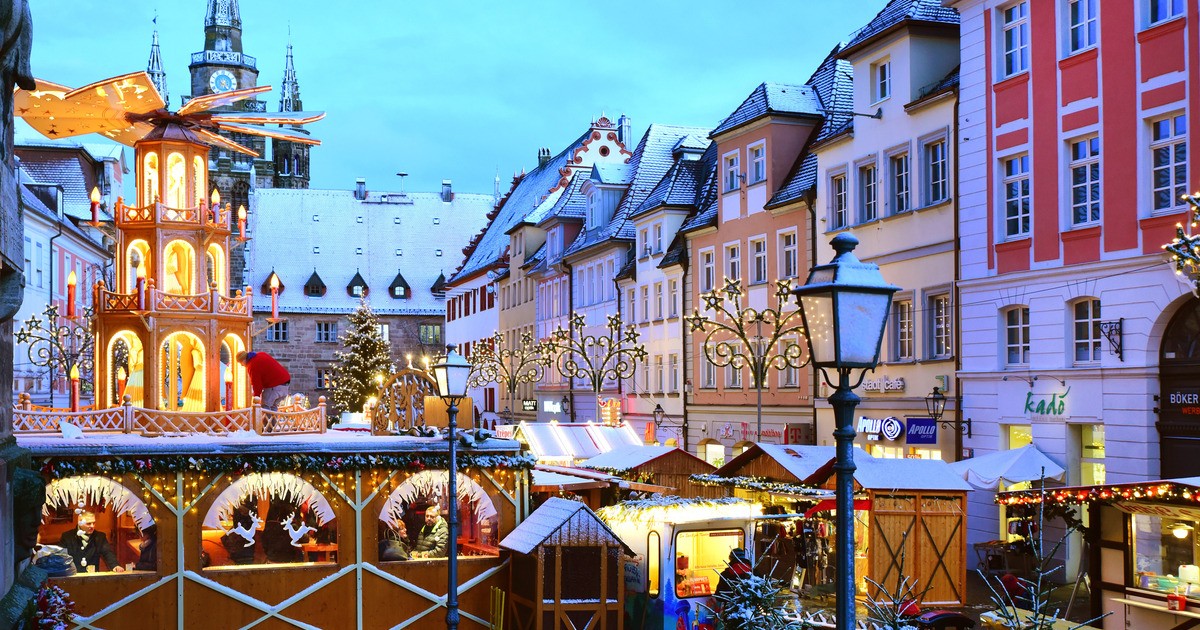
(216, 268)
(137, 255)
(236, 382)
(296, 165)
(176, 181)
(412, 521)
(150, 178)
(653, 564)
(199, 179)
(127, 360)
(182, 373)
(125, 534)
(179, 260)
(269, 519)
(711, 451)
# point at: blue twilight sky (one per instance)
(460, 90)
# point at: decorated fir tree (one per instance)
(364, 355)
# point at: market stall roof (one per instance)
(907, 474)
(632, 456)
(800, 461)
(606, 478)
(1183, 489)
(547, 481)
(1027, 463)
(572, 442)
(561, 522)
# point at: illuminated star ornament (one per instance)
(129, 108)
(1185, 249)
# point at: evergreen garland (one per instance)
(364, 356)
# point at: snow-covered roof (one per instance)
(573, 441)
(799, 460)
(630, 457)
(772, 98)
(561, 522)
(298, 231)
(907, 474)
(547, 479)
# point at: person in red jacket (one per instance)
(268, 378)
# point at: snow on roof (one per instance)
(563, 481)
(561, 522)
(801, 461)
(907, 474)
(297, 231)
(627, 457)
(573, 441)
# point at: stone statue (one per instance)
(29, 494)
(16, 42)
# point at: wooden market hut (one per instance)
(554, 556)
(569, 443)
(668, 466)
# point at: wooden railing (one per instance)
(162, 213)
(129, 419)
(161, 301)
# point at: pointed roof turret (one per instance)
(223, 13)
(358, 286)
(315, 287)
(399, 288)
(154, 68)
(289, 89)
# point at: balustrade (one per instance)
(129, 419)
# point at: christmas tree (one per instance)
(364, 355)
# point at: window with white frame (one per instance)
(898, 169)
(1017, 210)
(838, 202)
(758, 248)
(673, 374)
(707, 270)
(658, 238)
(1084, 171)
(1087, 331)
(937, 177)
(644, 241)
(645, 376)
(733, 262)
(658, 300)
(868, 200)
(881, 86)
(1081, 20)
(673, 298)
(1168, 159)
(902, 327)
(788, 255)
(659, 380)
(384, 332)
(789, 376)
(708, 371)
(1014, 25)
(1016, 335)
(732, 171)
(324, 378)
(940, 326)
(733, 376)
(645, 304)
(758, 163)
(278, 332)
(1163, 10)
(629, 299)
(327, 332)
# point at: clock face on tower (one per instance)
(221, 81)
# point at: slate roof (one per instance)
(285, 237)
(706, 201)
(65, 166)
(524, 197)
(681, 186)
(945, 84)
(896, 13)
(572, 203)
(833, 82)
(650, 162)
(677, 252)
(772, 98)
(564, 522)
(536, 257)
(628, 270)
(31, 202)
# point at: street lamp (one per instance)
(658, 415)
(845, 307)
(565, 406)
(935, 404)
(452, 373)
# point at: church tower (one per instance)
(290, 158)
(154, 68)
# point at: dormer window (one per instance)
(357, 287)
(314, 287)
(602, 203)
(439, 286)
(399, 288)
(266, 285)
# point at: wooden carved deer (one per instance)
(296, 533)
(247, 532)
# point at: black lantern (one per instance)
(935, 403)
(566, 405)
(658, 415)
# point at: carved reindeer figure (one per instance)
(296, 533)
(247, 532)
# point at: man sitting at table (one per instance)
(434, 536)
(88, 546)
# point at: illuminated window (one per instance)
(653, 570)
(700, 557)
(267, 519)
(176, 181)
(150, 178)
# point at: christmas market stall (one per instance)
(248, 529)
(567, 570)
(680, 547)
(1143, 542)
(569, 443)
(667, 466)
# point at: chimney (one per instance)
(623, 131)
(360, 189)
(447, 192)
(543, 156)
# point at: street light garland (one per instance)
(509, 367)
(729, 342)
(1185, 249)
(595, 358)
(58, 342)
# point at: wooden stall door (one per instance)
(940, 558)
(891, 549)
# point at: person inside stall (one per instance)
(148, 549)
(434, 536)
(276, 542)
(739, 567)
(88, 546)
(394, 544)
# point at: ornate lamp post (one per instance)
(596, 358)
(845, 307)
(62, 344)
(935, 404)
(452, 373)
(509, 367)
(731, 342)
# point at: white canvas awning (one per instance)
(1027, 463)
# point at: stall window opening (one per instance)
(700, 556)
(1165, 555)
(653, 568)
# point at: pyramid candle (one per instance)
(72, 280)
(274, 296)
(95, 197)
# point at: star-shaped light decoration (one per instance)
(712, 300)
(631, 335)
(578, 321)
(127, 108)
(526, 338)
(1185, 249)
(696, 321)
(783, 291)
(733, 287)
(614, 322)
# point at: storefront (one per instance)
(893, 420)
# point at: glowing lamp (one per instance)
(72, 280)
(242, 222)
(1180, 530)
(274, 296)
(216, 198)
(451, 374)
(95, 198)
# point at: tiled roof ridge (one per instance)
(897, 12)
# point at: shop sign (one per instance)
(1047, 406)
(552, 406)
(889, 428)
(798, 434)
(726, 431)
(505, 431)
(748, 433)
(1187, 400)
(610, 412)
(1159, 509)
(884, 384)
(921, 431)
(528, 405)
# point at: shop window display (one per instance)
(700, 556)
(269, 518)
(1165, 555)
(92, 525)
(413, 521)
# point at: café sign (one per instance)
(1049, 407)
(884, 384)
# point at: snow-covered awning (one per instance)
(1027, 463)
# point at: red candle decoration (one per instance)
(72, 280)
(242, 222)
(75, 388)
(274, 296)
(95, 205)
(229, 388)
(141, 287)
(122, 379)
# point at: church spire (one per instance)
(289, 97)
(154, 68)
(223, 13)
